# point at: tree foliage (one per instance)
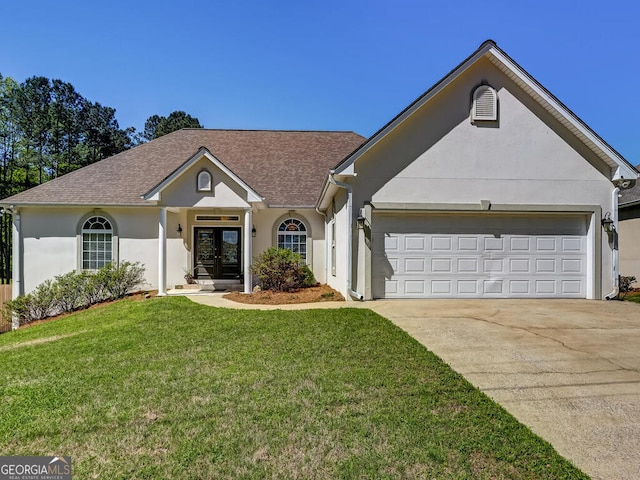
(48, 129)
(157, 126)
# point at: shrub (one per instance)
(68, 291)
(624, 285)
(93, 287)
(36, 305)
(73, 290)
(309, 278)
(121, 279)
(282, 270)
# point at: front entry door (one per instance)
(216, 252)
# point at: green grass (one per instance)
(632, 297)
(166, 388)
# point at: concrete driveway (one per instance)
(569, 369)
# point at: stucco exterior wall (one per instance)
(629, 241)
(438, 157)
(51, 244)
(339, 280)
(182, 192)
(51, 239)
(267, 221)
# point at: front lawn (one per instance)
(166, 388)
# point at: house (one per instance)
(485, 186)
(629, 231)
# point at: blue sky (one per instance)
(322, 65)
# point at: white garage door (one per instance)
(440, 256)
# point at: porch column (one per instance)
(162, 252)
(18, 287)
(248, 225)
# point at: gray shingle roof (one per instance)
(286, 167)
(631, 195)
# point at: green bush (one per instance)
(282, 270)
(309, 278)
(73, 290)
(68, 291)
(121, 279)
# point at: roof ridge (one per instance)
(266, 130)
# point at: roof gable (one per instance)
(620, 168)
(155, 193)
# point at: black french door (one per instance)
(217, 252)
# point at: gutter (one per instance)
(615, 254)
(349, 242)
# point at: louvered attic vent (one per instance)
(485, 104)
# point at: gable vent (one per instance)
(485, 104)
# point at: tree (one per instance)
(48, 129)
(9, 172)
(157, 126)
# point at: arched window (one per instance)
(485, 104)
(97, 243)
(292, 234)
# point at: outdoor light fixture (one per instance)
(179, 230)
(607, 223)
(360, 221)
(253, 232)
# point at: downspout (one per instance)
(614, 237)
(349, 190)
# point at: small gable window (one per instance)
(292, 234)
(97, 243)
(204, 181)
(485, 104)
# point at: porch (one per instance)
(204, 249)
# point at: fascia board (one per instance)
(347, 167)
(565, 116)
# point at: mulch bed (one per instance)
(319, 293)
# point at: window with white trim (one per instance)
(292, 234)
(485, 104)
(97, 243)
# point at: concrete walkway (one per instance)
(568, 369)
(216, 299)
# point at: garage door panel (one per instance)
(441, 244)
(468, 265)
(520, 244)
(468, 244)
(415, 265)
(441, 287)
(506, 257)
(494, 244)
(571, 265)
(572, 287)
(492, 287)
(519, 287)
(467, 287)
(441, 265)
(519, 265)
(414, 243)
(493, 265)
